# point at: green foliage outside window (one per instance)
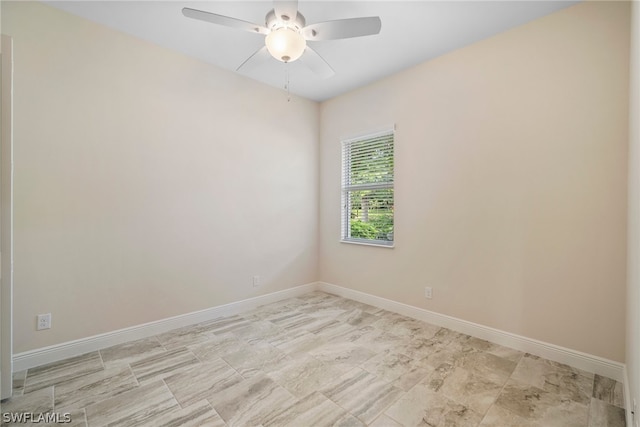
(368, 188)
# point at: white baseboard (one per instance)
(54, 353)
(627, 397)
(584, 361)
(577, 359)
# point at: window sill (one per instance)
(364, 243)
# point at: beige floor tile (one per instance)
(342, 354)
(201, 381)
(163, 364)
(495, 349)
(316, 360)
(258, 329)
(562, 380)
(543, 407)
(499, 417)
(314, 410)
(603, 414)
(218, 346)
(129, 352)
(362, 394)
(291, 321)
(470, 389)
(95, 387)
(298, 343)
(488, 365)
(608, 390)
(414, 376)
(225, 325)
(357, 317)
(189, 335)
(200, 414)
(389, 366)
(64, 370)
(421, 406)
(251, 401)
(40, 407)
(142, 405)
(259, 358)
(36, 402)
(384, 421)
(304, 374)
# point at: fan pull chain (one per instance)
(286, 82)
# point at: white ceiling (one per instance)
(412, 32)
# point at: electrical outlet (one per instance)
(44, 321)
(428, 292)
(256, 281)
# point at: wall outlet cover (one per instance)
(43, 321)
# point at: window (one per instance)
(367, 189)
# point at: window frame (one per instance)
(346, 189)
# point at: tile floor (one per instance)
(317, 360)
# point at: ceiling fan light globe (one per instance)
(285, 44)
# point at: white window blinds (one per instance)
(367, 189)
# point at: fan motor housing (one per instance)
(272, 21)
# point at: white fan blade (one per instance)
(342, 28)
(259, 57)
(286, 10)
(316, 63)
(224, 20)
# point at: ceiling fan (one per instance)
(287, 34)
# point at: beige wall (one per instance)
(633, 256)
(148, 184)
(511, 175)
